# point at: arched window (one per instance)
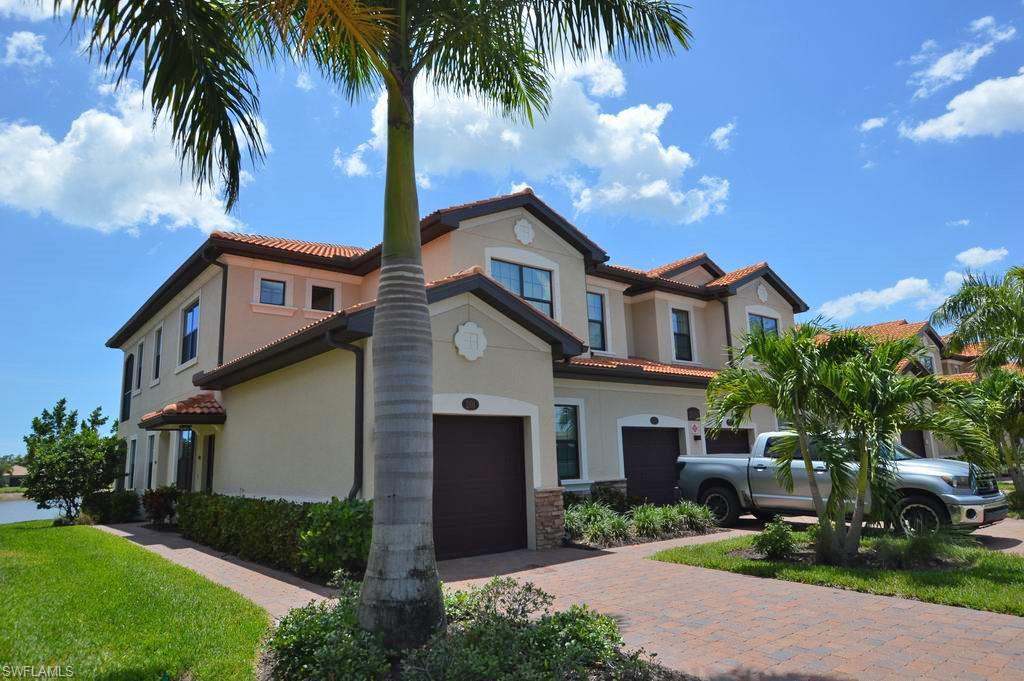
(126, 387)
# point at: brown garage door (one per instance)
(649, 455)
(479, 485)
(728, 442)
(914, 441)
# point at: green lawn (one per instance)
(994, 582)
(1007, 487)
(11, 490)
(79, 596)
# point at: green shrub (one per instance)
(776, 540)
(614, 498)
(692, 517)
(336, 537)
(596, 523)
(159, 504)
(920, 549)
(324, 641)
(112, 507)
(650, 520)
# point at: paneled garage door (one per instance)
(479, 485)
(649, 456)
(729, 442)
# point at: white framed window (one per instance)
(273, 293)
(158, 351)
(682, 336)
(524, 258)
(139, 354)
(571, 440)
(760, 322)
(532, 284)
(130, 472)
(322, 297)
(188, 336)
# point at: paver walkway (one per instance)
(716, 625)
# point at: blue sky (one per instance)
(869, 152)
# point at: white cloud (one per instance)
(112, 170)
(25, 49)
(872, 123)
(919, 292)
(609, 160)
(979, 257)
(955, 65)
(30, 10)
(720, 136)
(869, 165)
(520, 186)
(304, 82)
(962, 222)
(992, 107)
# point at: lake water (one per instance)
(15, 509)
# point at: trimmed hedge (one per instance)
(312, 539)
(110, 506)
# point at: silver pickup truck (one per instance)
(933, 492)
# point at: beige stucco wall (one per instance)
(605, 407)
(747, 301)
(652, 328)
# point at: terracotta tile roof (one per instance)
(971, 350)
(19, 470)
(481, 202)
(736, 275)
(203, 403)
(646, 366)
(966, 376)
(899, 328)
(322, 250)
(658, 271)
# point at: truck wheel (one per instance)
(723, 503)
(918, 513)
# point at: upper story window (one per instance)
(138, 366)
(681, 336)
(158, 351)
(322, 298)
(126, 387)
(272, 292)
(761, 323)
(595, 321)
(928, 363)
(567, 441)
(530, 283)
(132, 445)
(190, 332)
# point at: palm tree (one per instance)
(194, 59)
(871, 399)
(1000, 394)
(988, 310)
(783, 374)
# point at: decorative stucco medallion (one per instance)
(524, 231)
(762, 293)
(470, 341)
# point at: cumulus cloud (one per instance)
(962, 222)
(25, 49)
(992, 107)
(872, 123)
(111, 171)
(979, 257)
(943, 69)
(720, 136)
(304, 82)
(612, 160)
(917, 291)
(29, 10)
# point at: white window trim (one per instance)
(156, 381)
(694, 345)
(581, 429)
(151, 459)
(644, 421)
(519, 256)
(609, 345)
(178, 368)
(130, 461)
(308, 310)
(286, 310)
(764, 311)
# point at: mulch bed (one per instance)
(634, 541)
(867, 558)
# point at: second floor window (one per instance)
(132, 444)
(138, 367)
(190, 332)
(765, 324)
(567, 441)
(126, 387)
(158, 350)
(530, 283)
(322, 298)
(271, 292)
(595, 321)
(681, 337)
(928, 363)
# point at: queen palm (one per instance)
(1000, 396)
(988, 310)
(194, 58)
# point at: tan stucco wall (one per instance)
(605, 405)
(289, 433)
(746, 300)
(652, 328)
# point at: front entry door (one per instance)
(186, 459)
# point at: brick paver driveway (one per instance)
(719, 625)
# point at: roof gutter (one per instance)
(223, 300)
(360, 391)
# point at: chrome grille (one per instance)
(986, 483)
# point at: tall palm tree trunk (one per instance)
(857, 521)
(827, 546)
(401, 594)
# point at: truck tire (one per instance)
(724, 504)
(917, 513)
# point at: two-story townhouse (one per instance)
(552, 369)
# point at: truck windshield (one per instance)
(901, 453)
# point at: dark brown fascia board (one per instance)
(936, 338)
(641, 283)
(777, 283)
(173, 421)
(359, 324)
(620, 375)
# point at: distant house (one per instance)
(16, 477)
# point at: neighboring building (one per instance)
(248, 371)
(960, 364)
(16, 478)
